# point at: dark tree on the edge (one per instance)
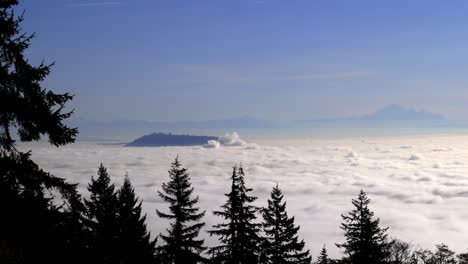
(181, 244)
(102, 209)
(366, 241)
(135, 244)
(239, 235)
(31, 226)
(281, 244)
(323, 257)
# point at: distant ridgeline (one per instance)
(163, 139)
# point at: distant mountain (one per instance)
(121, 129)
(398, 113)
(389, 116)
(163, 140)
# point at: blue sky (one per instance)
(273, 59)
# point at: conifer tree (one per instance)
(74, 227)
(366, 241)
(323, 257)
(281, 244)
(239, 234)
(181, 244)
(102, 210)
(443, 255)
(135, 244)
(31, 225)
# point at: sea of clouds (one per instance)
(418, 184)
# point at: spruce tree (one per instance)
(74, 227)
(443, 255)
(366, 241)
(32, 226)
(323, 257)
(239, 234)
(181, 244)
(135, 244)
(102, 210)
(281, 244)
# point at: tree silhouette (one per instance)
(281, 244)
(365, 242)
(239, 235)
(135, 244)
(181, 244)
(102, 209)
(323, 257)
(443, 255)
(32, 225)
(24, 104)
(400, 252)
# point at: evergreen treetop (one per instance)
(181, 244)
(239, 234)
(323, 257)
(366, 241)
(102, 210)
(24, 104)
(135, 244)
(281, 245)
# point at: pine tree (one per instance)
(365, 242)
(323, 257)
(443, 255)
(102, 209)
(239, 235)
(74, 227)
(281, 245)
(135, 244)
(181, 244)
(31, 226)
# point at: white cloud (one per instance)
(212, 144)
(231, 139)
(319, 178)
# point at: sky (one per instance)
(272, 59)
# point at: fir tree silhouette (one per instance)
(33, 223)
(135, 244)
(102, 210)
(181, 244)
(281, 244)
(323, 257)
(239, 234)
(366, 241)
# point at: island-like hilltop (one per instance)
(168, 139)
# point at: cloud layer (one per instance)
(418, 185)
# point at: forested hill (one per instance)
(163, 139)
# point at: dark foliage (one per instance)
(36, 226)
(365, 242)
(281, 244)
(442, 255)
(181, 244)
(400, 252)
(239, 234)
(135, 244)
(24, 105)
(102, 210)
(323, 257)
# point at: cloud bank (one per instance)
(418, 185)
